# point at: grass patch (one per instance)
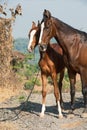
(22, 98)
(29, 84)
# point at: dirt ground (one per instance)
(14, 115)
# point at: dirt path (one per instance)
(28, 118)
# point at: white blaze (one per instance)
(31, 38)
(42, 27)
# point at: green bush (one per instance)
(30, 70)
(66, 83)
(31, 83)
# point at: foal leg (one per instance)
(57, 94)
(72, 78)
(60, 86)
(44, 92)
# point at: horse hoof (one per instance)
(84, 115)
(62, 105)
(72, 108)
(41, 115)
(60, 116)
(70, 115)
(70, 112)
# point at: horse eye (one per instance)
(47, 28)
(48, 24)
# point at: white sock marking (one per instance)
(59, 108)
(43, 109)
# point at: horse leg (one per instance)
(57, 94)
(84, 91)
(72, 78)
(44, 91)
(60, 86)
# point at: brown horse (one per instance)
(50, 64)
(74, 45)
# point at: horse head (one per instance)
(47, 30)
(33, 36)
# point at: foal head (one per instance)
(33, 36)
(47, 29)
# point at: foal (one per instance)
(50, 64)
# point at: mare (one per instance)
(50, 64)
(74, 45)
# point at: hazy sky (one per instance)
(72, 12)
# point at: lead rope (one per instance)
(31, 89)
(23, 104)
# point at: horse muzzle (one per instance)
(30, 49)
(42, 47)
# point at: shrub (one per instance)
(31, 83)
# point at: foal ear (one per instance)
(33, 24)
(46, 14)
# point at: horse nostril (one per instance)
(39, 44)
(30, 49)
(42, 47)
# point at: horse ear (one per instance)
(46, 14)
(38, 23)
(33, 24)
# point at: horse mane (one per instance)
(69, 29)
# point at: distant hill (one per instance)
(21, 44)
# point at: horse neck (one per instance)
(42, 54)
(55, 48)
(63, 32)
(37, 37)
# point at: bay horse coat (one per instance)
(74, 45)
